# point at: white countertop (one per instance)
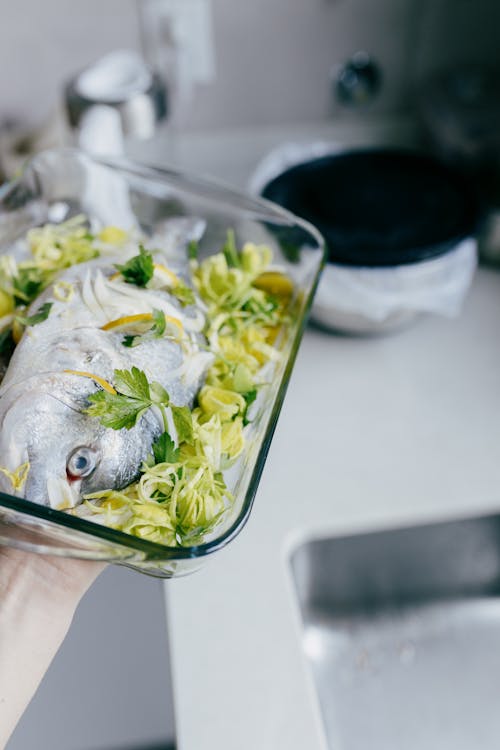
(374, 433)
(232, 155)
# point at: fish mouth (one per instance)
(63, 494)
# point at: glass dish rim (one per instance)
(263, 210)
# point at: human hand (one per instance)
(38, 598)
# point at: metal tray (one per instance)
(402, 633)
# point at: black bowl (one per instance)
(380, 207)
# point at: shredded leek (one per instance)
(181, 494)
(17, 477)
(58, 246)
(179, 502)
(53, 247)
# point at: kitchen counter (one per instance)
(374, 433)
(232, 155)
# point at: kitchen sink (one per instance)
(401, 629)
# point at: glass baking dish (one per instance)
(61, 183)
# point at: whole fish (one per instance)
(43, 419)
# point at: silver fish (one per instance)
(42, 407)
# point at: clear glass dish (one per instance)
(61, 183)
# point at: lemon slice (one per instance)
(139, 323)
(163, 276)
(96, 378)
(275, 283)
(174, 326)
(112, 235)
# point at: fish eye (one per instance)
(82, 462)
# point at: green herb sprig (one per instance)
(41, 314)
(134, 396)
(28, 283)
(164, 450)
(155, 332)
(193, 249)
(138, 270)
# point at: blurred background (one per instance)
(239, 63)
(415, 69)
(235, 79)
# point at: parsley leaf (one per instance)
(116, 410)
(134, 395)
(139, 269)
(183, 421)
(164, 450)
(249, 397)
(155, 332)
(41, 315)
(127, 405)
(192, 250)
(159, 323)
(158, 394)
(7, 343)
(28, 283)
(132, 383)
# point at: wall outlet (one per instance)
(178, 41)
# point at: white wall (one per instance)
(42, 42)
(273, 56)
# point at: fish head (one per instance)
(53, 453)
